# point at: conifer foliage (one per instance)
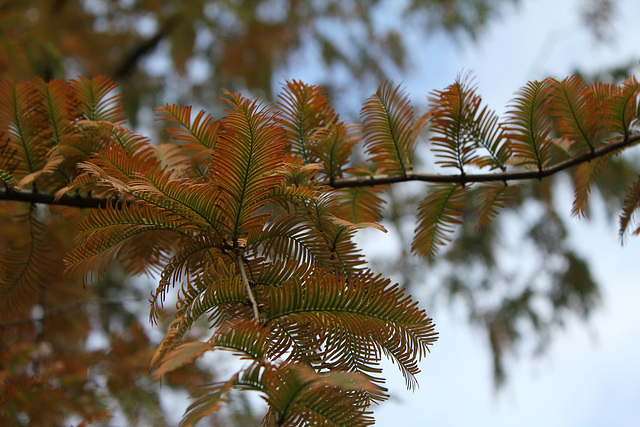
(249, 221)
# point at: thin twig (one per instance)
(517, 175)
(247, 286)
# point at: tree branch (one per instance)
(517, 175)
(65, 200)
(616, 144)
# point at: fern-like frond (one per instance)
(211, 399)
(191, 143)
(358, 226)
(278, 272)
(488, 134)
(349, 351)
(106, 234)
(625, 104)
(51, 165)
(366, 307)
(299, 185)
(604, 94)
(576, 114)
(148, 252)
(20, 127)
(9, 160)
(96, 101)
(53, 115)
(185, 162)
(332, 147)
(57, 108)
(360, 204)
(202, 130)
(453, 112)
(629, 206)
(529, 124)
(584, 175)
(219, 291)
(11, 389)
(346, 258)
(183, 354)
(298, 396)
(92, 103)
(250, 340)
(491, 197)
(85, 138)
(343, 256)
(245, 339)
(25, 269)
(131, 140)
(465, 132)
(121, 155)
(113, 169)
(247, 163)
(390, 129)
(305, 346)
(438, 213)
(290, 237)
(190, 260)
(195, 203)
(304, 110)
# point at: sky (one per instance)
(590, 375)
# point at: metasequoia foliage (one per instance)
(252, 218)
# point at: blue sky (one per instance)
(590, 376)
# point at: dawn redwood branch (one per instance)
(65, 200)
(615, 144)
(516, 175)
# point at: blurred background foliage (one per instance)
(79, 355)
(192, 49)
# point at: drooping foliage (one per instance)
(248, 222)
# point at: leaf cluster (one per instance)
(233, 212)
(252, 217)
